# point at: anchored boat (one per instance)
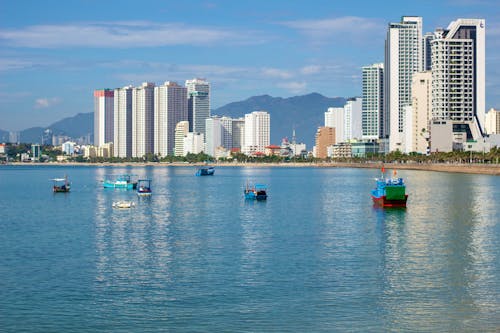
(122, 181)
(144, 187)
(256, 192)
(61, 185)
(205, 171)
(390, 192)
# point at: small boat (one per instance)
(257, 192)
(123, 204)
(144, 187)
(61, 185)
(122, 181)
(205, 171)
(390, 192)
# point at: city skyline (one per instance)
(54, 55)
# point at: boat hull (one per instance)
(384, 202)
(205, 172)
(124, 185)
(61, 189)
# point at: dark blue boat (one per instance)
(257, 192)
(205, 171)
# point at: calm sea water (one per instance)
(196, 257)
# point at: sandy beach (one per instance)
(485, 169)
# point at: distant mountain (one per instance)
(77, 126)
(304, 113)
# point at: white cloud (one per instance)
(294, 87)
(348, 28)
(276, 73)
(7, 64)
(43, 103)
(125, 34)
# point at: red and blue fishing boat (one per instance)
(390, 192)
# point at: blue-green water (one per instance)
(196, 257)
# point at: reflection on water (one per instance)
(196, 256)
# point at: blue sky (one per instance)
(53, 54)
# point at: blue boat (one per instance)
(144, 187)
(390, 192)
(205, 171)
(257, 192)
(122, 181)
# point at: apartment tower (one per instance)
(103, 116)
(373, 101)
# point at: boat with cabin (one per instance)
(144, 187)
(256, 192)
(205, 171)
(122, 181)
(389, 192)
(61, 185)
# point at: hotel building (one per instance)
(122, 142)
(170, 107)
(198, 92)
(103, 116)
(142, 120)
(257, 132)
(403, 58)
(373, 101)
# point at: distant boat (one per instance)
(144, 187)
(256, 192)
(61, 185)
(205, 171)
(123, 204)
(390, 192)
(122, 181)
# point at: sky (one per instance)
(54, 54)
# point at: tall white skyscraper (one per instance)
(170, 107)
(198, 91)
(181, 131)
(458, 76)
(122, 143)
(103, 116)
(403, 57)
(373, 101)
(335, 118)
(257, 132)
(227, 132)
(142, 120)
(213, 135)
(352, 121)
(492, 123)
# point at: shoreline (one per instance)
(482, 169)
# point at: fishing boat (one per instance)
(122, 181)
(256, 192)
(390, 192)
(123, 204)
(61, 185)
(144, 187)
(205, 171)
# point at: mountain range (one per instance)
(303, 113)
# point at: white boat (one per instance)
(123, 204)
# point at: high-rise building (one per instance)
(403, 58)
(257, 132)
(198, 91)
(103, 116)
(213, 135)
(122, 121)
(352, 120)
(421, 113)
(142, 120)
(193, 143)
(492, 123)
(170, 107)
(458, 76)
(325, 137)
(181, 131)
(335, 118)
(227, 132)
(238, 133)
(427, 51)
(373, 101)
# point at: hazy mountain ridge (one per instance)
(304, 113)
